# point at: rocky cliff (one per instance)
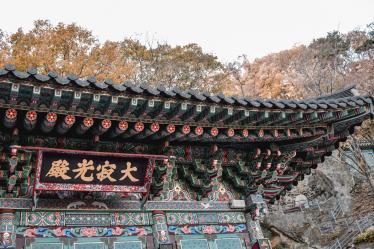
(323, 208)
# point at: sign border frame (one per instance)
(40, 186)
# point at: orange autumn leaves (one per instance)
(325, 65)
(71, 49)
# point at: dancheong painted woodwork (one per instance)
(88, 164)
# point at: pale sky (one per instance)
(225, 28)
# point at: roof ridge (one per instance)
(175, 92)
(348, 91)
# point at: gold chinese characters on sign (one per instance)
(85, 171)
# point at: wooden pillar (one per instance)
(256, 207)
(7, 229)
(170, 174)
(160, 230)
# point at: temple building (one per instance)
(100, 165)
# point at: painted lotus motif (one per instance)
(83, 232)
(89, 232)
(209, 230)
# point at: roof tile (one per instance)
(42, 78)
(62, 81)
(9, 67)
(52, 74)
(32, 71)
(20, 75)
(338, 99)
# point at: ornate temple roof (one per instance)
(124, 111)
(265, 145)
(338, 99)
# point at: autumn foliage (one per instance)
(71, 49)
(325, 65)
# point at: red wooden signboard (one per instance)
(73, 170)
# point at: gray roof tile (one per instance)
(341, 98)
(20, 75)
(41, 77)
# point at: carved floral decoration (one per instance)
(83, 232)
(208, 229)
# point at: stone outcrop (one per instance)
(332, 184)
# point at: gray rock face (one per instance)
(331, 185)
(365, 246)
